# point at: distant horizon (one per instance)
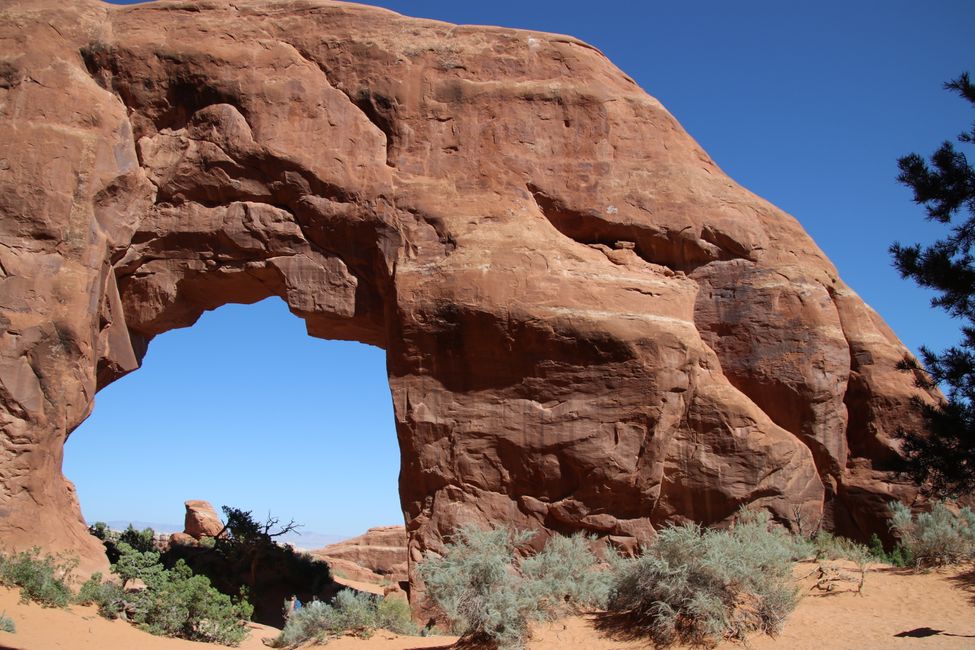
(808, 106)
(297, 538)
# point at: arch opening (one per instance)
(244, 409)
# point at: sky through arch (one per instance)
(244, 409)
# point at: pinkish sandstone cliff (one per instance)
(377, 555)
(588, 325)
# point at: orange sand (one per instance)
(937, 609)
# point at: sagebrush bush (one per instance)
(835, 547)
(352, 612)
(7, 624)
(395, 615)
(488, 594)
(936, 538)
(700, 586)
(563, 577)
(43, 580)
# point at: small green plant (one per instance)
(700, 586)
(835, 547)
(490, 595)
(395, 615)
(898, 557)
(109, 597)
(936, 538)
(43, 580)
(7, 624)
(352, 612)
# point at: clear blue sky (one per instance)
(807, 104)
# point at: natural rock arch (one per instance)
(587, 324)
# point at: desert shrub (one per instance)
(899, 556)
(395, 615)
(177, 603)
(835, 547)
(934, 538)
(7, 624)
(477, 587)
(699, 586)
(563, 579)
(141, 540)
(173, 603)
(352, 612)
(109, 597)
(43, 580)
(133, 564)
(487, 594)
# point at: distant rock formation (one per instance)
(201, 520)
(588, 325)
(378, 555)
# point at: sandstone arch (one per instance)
(588, 325)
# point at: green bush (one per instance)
(352, 612)
(834, 547)
(936, 538)
(700, 586)
(899, 556)
(173, 603)
(179, 604)
(489, 595)
(133, 564)
(395, 615)
(141, 540)
(108, 596)
(43, 580)
(7, 624)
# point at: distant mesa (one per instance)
(588, 325)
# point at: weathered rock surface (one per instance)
(588, 325)
(378, 554)
(183, 539)
(201, 520)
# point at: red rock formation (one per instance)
(588, 325)
(201, 520)
(379, 553)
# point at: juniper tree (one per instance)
(942, 459)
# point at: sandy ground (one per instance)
(896, 610)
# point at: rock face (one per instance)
(379, 553)
(201, 520)
(588, 325)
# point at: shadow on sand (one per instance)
(966, 582)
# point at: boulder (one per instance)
(201, 520)
(183, 539)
